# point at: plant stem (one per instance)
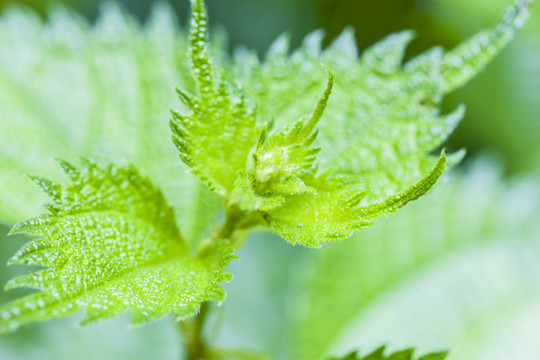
(191, 329)
(235, 226)
(233, 217)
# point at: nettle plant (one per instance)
(281, 151)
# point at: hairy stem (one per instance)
(196, 347)
(191, 329)
(235, 226)
(233, 216)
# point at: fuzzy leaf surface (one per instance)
(215, 137)
(109, 245)
(333, 212)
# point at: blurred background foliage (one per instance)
(457, 270)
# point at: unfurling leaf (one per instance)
(279, 161)
(110, 245)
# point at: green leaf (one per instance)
(214, 139)
(100, 90)
(275, 174)
(333, 212)
(376, 134)
(379, 354)
(465, 61)
(110, 245)
(384, 119)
